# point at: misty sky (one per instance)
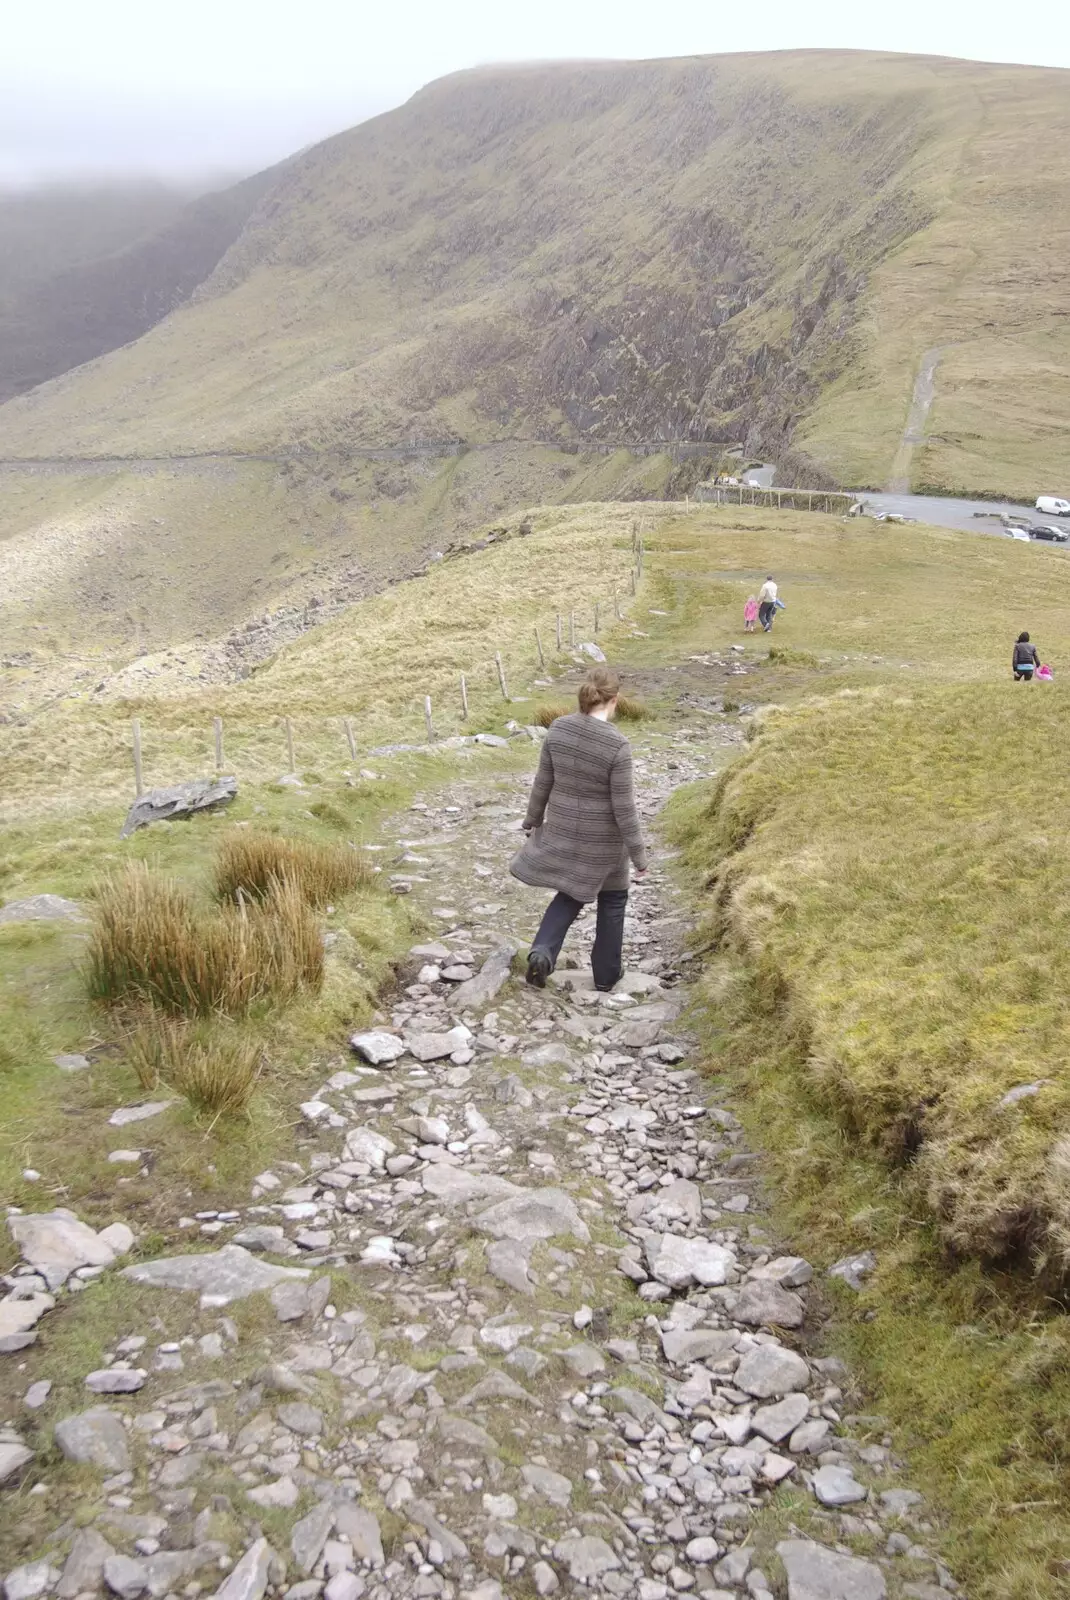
(228, 86)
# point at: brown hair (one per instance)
(599, 687)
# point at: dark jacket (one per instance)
(1024, 655)
(582, 816)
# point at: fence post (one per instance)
(616, 606)
(427, 717)
(139, 787)
(501, 674)
(597, 617)
(290, 743)
(572, 629)
(538, 646)
(464, 699)
(633, 580)
(217, 727)
(347, 724)
(559, 631)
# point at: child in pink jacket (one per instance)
(750, 614)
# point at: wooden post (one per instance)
(464, 699)
(501, 674)
(427, 717)
(559, 631)
(538, 646)
(217, 728)
(139, 787)
(347, 724)
(572, 629)
(290, 743)
(616, 606)
(810, 501)
(633, 580)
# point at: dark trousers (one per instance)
(562, 912)
(766, 613)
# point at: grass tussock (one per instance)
(213, 1065)
(629, 709)
(253, 865)
(543, 716)
(151, 944)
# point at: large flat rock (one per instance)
(815, 1573)
(228, 1274)
(57, 1243)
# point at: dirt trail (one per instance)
(567, 1355)
(917, 416)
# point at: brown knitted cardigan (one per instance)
(582, 811)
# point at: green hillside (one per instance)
(758, 244)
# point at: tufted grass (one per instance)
(214, 1067)
(253, 865)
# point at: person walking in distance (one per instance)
(1024, 659)
(583, 831)
(767, 597)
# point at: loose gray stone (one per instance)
(179, 800)
(587, 1558)
(835, 1486)
(436, 1046)
(423, 1514)
(533, 1214)
(361, 1528)
(227, 1274)
(509, 1261)
(301, 1418)
(261, 1236)
(809, 1437)
(896, 1502)
(479, 991)
(282, 1493)
(42, 908)
(552, 1486)
(116, 1380)
(126, 1576)
(37, 1394)
(14, 1455)
(141, 1113)
(453, 1186)
(815, 1573)
(546, 1579)
(364, 1144)
(852, 1270)
(72, 1063)
(309, 1535)
(679, 1262)
(249, 1578)
(791, 1272)
(767, 1304)
(682, 1346)
(94, 1438)
(584, 1360)
(378, 1047)
(770, 1370)
(57, 1243)
(775, 1422)
(679, 1201)
(29, 1581)
(19, 1316)
(85, 1564)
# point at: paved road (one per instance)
(962, 514)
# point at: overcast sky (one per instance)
(132, 86)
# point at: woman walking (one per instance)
(583, 829)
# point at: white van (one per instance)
(1052, 506)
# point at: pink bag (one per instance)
(1045, 673)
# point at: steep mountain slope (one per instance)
(689, 247)
(549, 259)
(81, 274)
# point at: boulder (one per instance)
(14, 1455)
(361, 1528)
(768, 1370)
(768, 1304)
(249, 1579)
(815, 1573)
(678, 1262)
(85, 1564)
(179, 800)
(436, 1046)
(377, 1047)
(18, 1316)
(94, 1438)
(228, 1274)
(57, 1243)
(533, 1214)
(587, 1558)
(42, 908)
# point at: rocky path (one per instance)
(526, 1331)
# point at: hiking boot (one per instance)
(539, 969)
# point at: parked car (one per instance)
(1045, 530)
(1052, 506)
(1018, 533)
